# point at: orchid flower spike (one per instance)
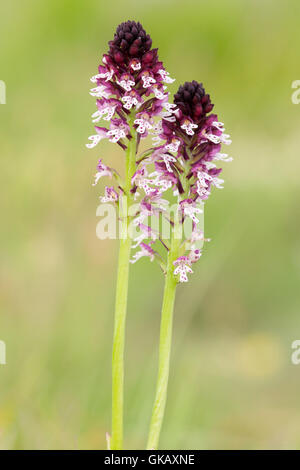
(130, 88)
(188, 145)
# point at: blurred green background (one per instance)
(232, 383)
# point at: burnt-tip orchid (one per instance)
(131, 96)
(185, 158)
(188, 150)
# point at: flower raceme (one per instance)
(132, 97)
(130, 83)
(187, 149)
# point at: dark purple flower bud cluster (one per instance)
(130, 41)
(192, 100)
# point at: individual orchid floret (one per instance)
(144, 123)
(194, 255)
(182, 267)
(110, 195)
(106, 109)
(103, 170)
(135, 65)
(142, 180)
(145, 251)
(118, 129)
(173, 146)
(166, 76)
(189, 208)
(126, 82)
(188, 126)
(95, 139)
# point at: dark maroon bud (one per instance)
(138, 42)
(131, 39)
(192, 100)
(209, 108)
(198, 110)
(133, 51)
(148, 57)
(119, 58)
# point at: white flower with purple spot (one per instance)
(119, 129)
(188, 126)
(110, 195)
(116, 134)
(143, 124)
(107, 74)
(100, 92)
(95, 139)
(189, 208)
(126, 82)
(223, 157)
(168, 159)
(173, 146)
(135, 65)
(182, 267)
(218, 125)
(194, 255)
(106, 109)
(132, 99)
(142, 180)
(147, 80)
(166, 76)
(159, 92)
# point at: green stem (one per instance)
(121, 302)
(165, 344)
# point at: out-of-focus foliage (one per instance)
(232, 383)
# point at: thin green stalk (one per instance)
(165, 344)
(121, 303)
